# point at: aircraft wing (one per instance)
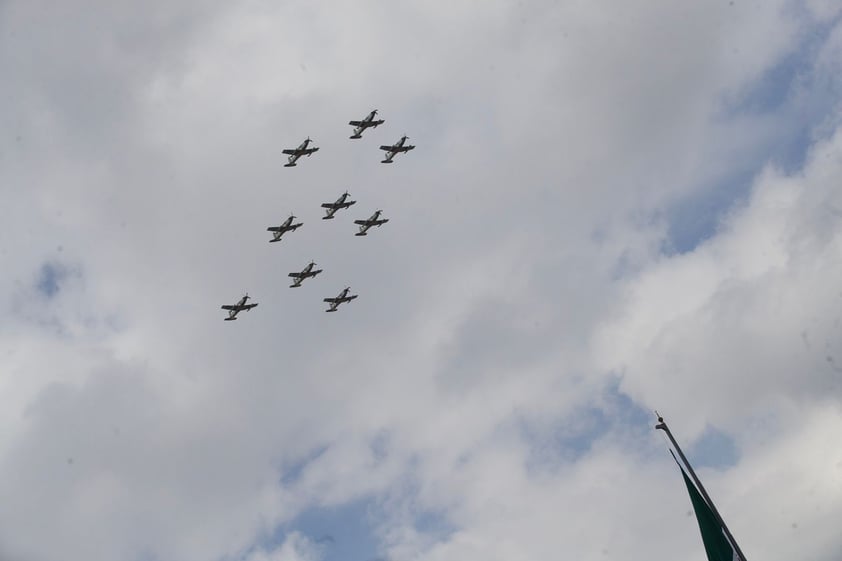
(329, 205)
(388, 148)
(291, 152)
(295, 275)
(274, 229)
(361, 222)
(226, 307)
(249, 306)
(332, 300)
(355, 123)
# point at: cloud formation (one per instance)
(603, 216)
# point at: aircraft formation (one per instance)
(307, 148)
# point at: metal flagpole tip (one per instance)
(661, 424)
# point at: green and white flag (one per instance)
(717, 545)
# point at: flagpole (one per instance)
(662, 425)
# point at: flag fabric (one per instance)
(717, 546)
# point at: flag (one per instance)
(717, 545)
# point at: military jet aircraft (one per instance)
(306, 273)
(375, 220)
(395, 149)
(295, 153)
(369, 121)
(341, 202)
(287, 226)
(238, 307)
(342, 298)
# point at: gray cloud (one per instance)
(520, 275)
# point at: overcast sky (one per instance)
(613, 207)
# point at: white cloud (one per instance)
(294, 548)
(751, 317)
(521, 273)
